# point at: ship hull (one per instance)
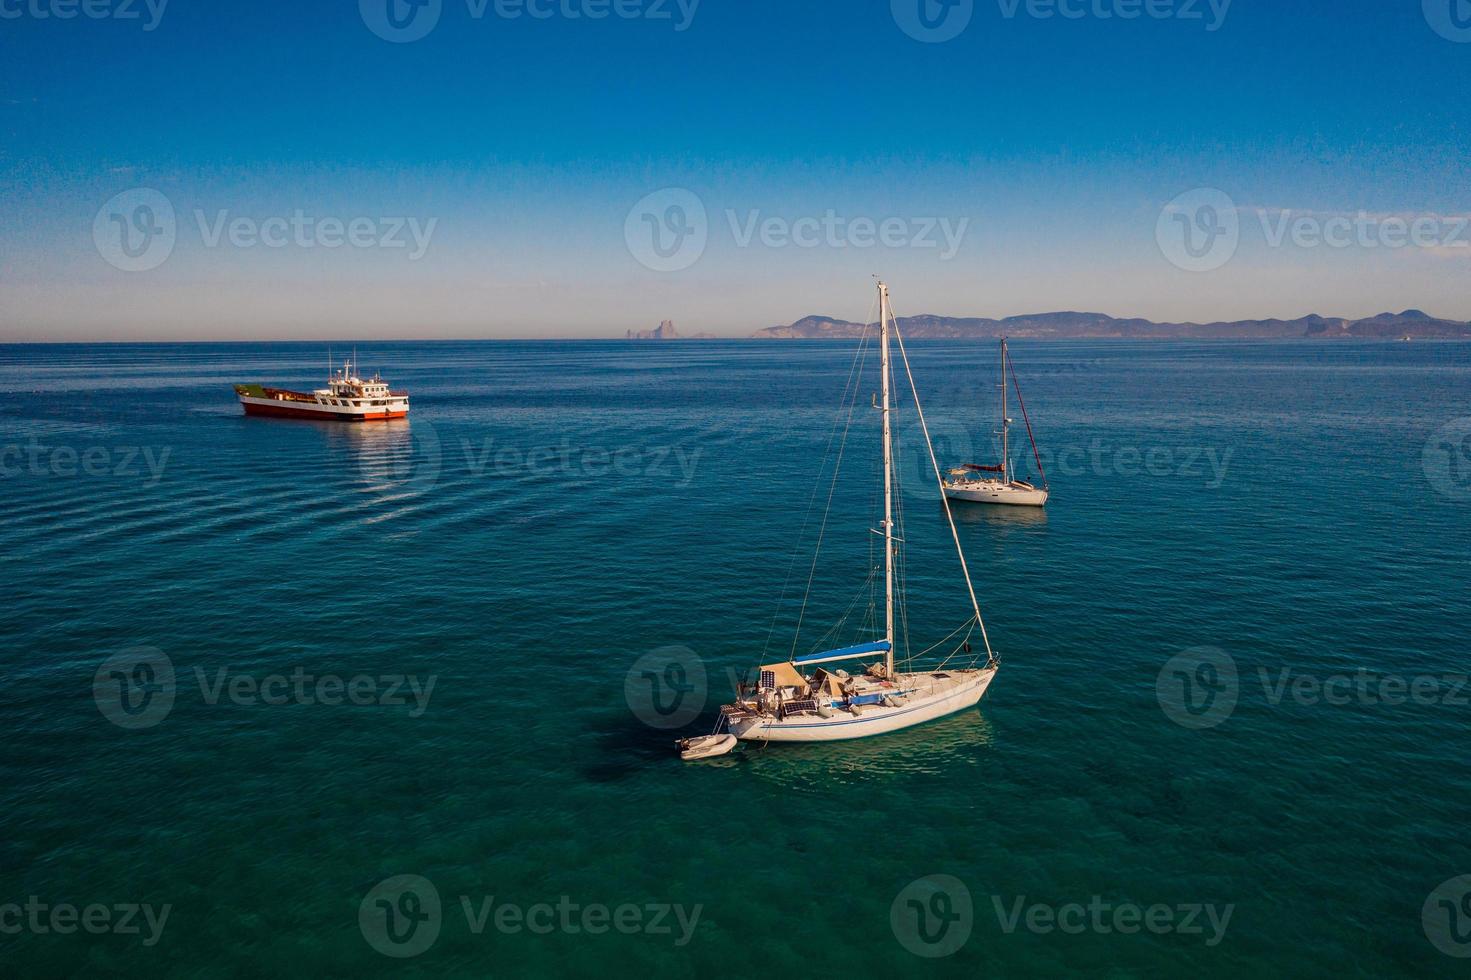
(272, 408)
(996, 492)
(918, 709)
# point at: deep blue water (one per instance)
(553, 512)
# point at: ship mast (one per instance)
(888, 485)
(1005, 423)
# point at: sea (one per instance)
(314, 699)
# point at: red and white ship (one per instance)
(347, 398)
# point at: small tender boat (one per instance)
(705, 747)
(997, 484)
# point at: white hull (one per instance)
(995, 492)
(372, 409)
(929, 697)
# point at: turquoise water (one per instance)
(1294, 506)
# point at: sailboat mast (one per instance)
(1005, 426)
(888, 483)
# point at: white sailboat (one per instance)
(807, 699)
(997, 484)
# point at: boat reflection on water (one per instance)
(395, 455)
(929, 748)
(999, 517)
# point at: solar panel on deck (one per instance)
(797, 707)
(768, 680)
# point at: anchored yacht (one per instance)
(807, 698)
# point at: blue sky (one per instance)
(1050, 147)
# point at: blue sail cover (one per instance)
(846, 653)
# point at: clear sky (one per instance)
(541, 160)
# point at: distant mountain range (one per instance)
(1065, 326)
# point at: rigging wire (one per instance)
(1026, 418)
(854, 381)
(832, 489)
(940, 481)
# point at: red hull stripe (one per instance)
(281, 411)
